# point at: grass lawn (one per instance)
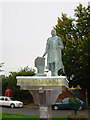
(9, 116)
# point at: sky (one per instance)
(25, 27)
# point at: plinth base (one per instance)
(44, 90)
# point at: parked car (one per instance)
(9, 101)
(65, 104)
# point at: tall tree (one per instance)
(76, 37)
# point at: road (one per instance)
(35, 111)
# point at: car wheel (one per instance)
(80, 108)
(12, 106)
(55, 107)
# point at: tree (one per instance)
(10, 82)
(75, 34)
(1, 65)
(83, 36)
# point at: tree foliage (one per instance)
(10, 82)
(1, 65)
(75, 34)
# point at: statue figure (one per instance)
(53, 50)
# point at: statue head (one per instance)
(53, 32)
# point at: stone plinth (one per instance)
(27, 82)
(44, 90)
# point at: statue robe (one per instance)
(53, 50)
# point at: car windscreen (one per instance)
(66, 100)
(12, 99)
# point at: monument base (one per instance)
(44, 90)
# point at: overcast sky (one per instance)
(25, 27)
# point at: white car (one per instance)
(9, 101)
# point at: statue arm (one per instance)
(46, 50)
(44, 54)
(60, 45)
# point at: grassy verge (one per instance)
(9, 116)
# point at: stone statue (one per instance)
(53, 50)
